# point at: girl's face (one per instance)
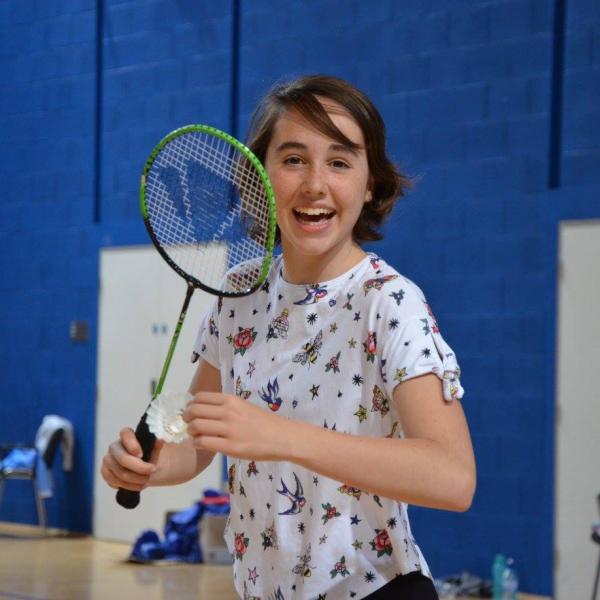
(320, 185)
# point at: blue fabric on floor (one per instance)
(147, 547)
(181, 540)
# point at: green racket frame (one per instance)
(270, 244)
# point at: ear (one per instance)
(369, 194)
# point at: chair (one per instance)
(29, 471)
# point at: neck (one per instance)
(314, 269)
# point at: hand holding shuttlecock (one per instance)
(164, 416)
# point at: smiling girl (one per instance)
(341, 407)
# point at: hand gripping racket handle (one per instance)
(129, 498)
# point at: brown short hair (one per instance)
(388, 184)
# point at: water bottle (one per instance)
(510, 581)
(498, 567)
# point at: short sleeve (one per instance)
(207, 340)
(416, 347)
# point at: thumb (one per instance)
(158, 446)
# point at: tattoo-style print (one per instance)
(241, 545)
(381, 543)
(296, 498)
(271, 395)
(377, 283)
(310, 351)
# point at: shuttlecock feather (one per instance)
(164, 416)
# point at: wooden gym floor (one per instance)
(63, 566)
(60, 566)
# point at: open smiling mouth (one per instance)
(313, 215)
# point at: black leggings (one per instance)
(413, 586)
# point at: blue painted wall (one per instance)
(466, 90)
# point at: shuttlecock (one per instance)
(164, 416)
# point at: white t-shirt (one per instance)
(329, 354)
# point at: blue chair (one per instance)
(26, 468)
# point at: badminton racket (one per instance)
(209, 208)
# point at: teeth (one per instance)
(314, 211)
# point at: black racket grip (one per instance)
(129, 498)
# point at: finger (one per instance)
(130, 442)
(119, 476)
(202, 411)
(207, 427)
(212, 444)
(128, 461)
(208, 398)
(116, 483)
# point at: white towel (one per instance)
(50, 424)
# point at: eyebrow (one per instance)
(291, 145)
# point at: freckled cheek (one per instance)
(283, 191)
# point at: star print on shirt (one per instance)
(314, 390)
(355, 520)
(333, 328)
(357, 545)
(352, 343)
(357, 316)
(357, 379)
(369, 577)
(361, 413)
(253, 575)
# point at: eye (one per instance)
(292, 160)
(339, 164)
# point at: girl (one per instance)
(330, 389)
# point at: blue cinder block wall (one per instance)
(499, 131)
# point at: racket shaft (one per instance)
(146, 439)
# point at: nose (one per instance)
(314, 184)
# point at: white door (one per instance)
(578, 409)
(140, 300)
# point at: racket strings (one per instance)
(202, 193)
